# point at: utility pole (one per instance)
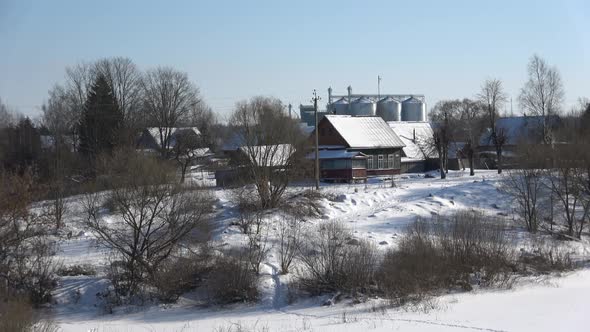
(290, 106)
(317, 151)
(378, 87)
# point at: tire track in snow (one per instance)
(406, 320)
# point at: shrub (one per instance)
(77, 270)
(16, 312)
(464, 249)
(232, 280)
(180, 274)
(330, 264)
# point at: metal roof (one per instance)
(365, 132)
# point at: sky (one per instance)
(234, 50)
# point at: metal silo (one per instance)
(389, 109)
(413, 109)
(363, 107)
(340, 106)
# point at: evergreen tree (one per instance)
(101, 121)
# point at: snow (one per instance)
(155, 133)
(335, 154)
(374, 212)
(364, 132)
(556, 304)
(413, 135)
(269, 155)
(518, 129)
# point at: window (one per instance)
(370, 162)
(381, 166)
(359, 163)
(336, 164)
(397, 161)
(390, 161)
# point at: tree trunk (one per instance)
(499, 157)
(471, 169)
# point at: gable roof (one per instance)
(365, 132)
(519, 129)
(155, 133)
(415, 136)
(269, 155)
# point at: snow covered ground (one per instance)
(372, 211)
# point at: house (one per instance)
(268, 157)
(516, 130)
(417, 154)
(370, 136)
(152, 140)
(341, 165)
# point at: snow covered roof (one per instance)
(268, 155)
(155, 133)
(336, 154)
(518, 129)
(415, 136)
(365, 132)
(202, 152)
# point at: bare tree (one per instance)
(469, 127)
(124, 79)
(543, 93)
(169, 97)
(79, 80)
(57, 117)
(569, 185)
(206, 121)
(155, 216)
(269, 143)
(525, 187)
(186, 150)
(493, 97)
(444, 113)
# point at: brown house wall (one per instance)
(328, 135)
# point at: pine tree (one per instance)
(101, 122)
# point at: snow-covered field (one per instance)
(373, 211)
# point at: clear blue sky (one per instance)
(237, 49)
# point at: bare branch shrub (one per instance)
(289, 234)
(567, 183)
(26, 264)
(232, 280)
(257, 250)
(525, 187)
(439, 254)
(154, 218)
(330, 264)
(16, 312)
(182, 273)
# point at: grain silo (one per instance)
(389, 109)
(340, 106)
(413, 109)
(362, 107)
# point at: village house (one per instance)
(357, 146)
